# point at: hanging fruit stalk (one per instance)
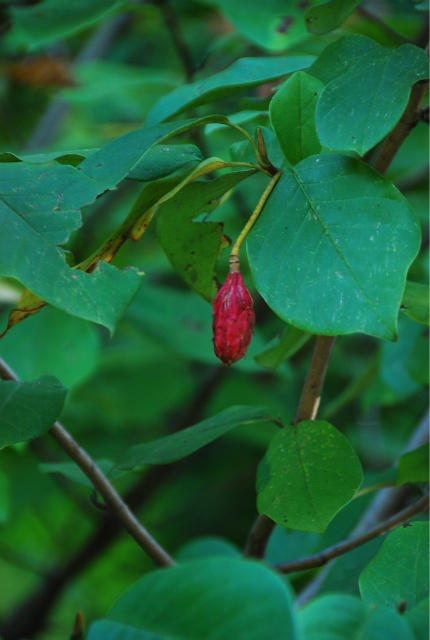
(233, 314)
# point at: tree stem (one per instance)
(312, 389)
(99, 481)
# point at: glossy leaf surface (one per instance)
(331, 249)
(292, 114)
(210, 599)
(348, 118)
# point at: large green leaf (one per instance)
(187, 441)
(242, 74)
(343, 238)
(348, 118)
(414, 466)
(53, 19)
(210, 599)
(340, 56)
(329, 15)
(193, 248)
(48, 198)
(344, 617)
(292, 114)
(308, 474)
(28, 409)
(26, 255)
(399, 572)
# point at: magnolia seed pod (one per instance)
(233, 319)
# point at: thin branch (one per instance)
(320, 559)
(99, 481)
(386, 503)
(409, 120)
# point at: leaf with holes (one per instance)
(330, 251)
(308, 474)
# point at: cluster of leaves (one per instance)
(336, 251)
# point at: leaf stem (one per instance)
(99, 481)
(322, 558)
(234, 255)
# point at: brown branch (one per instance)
(29, 617)
(321, 558)
(312, 389)
(99, 481)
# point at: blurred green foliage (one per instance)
(70, 84)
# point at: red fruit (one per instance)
(233, 319)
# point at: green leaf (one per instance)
(308, 474)
(113, 162)
(207, 547)
(340, 56)
(343, 238)
(344, 617)
(418, 619)
(274, 25)
(26, 255)
(187, 441)
(399, 571)
(109, 630)
(210, 599)
(348, 118)
(282, 347)
(28, 409)
(53, 343)
(161, 161)
(414, 466)
(47, 198)
(329, 15)
(244, 73)
(415, 302)
(292, 114)
(72, 158)
(193, 248)
(396, 355)
(50, 19)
